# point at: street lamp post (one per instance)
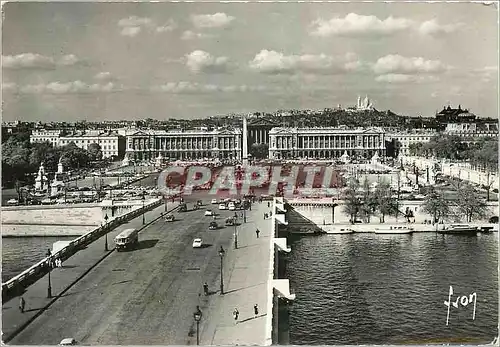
(244, 213)
(143, 200)
(235, 236)
(221, 254)
(106, 233)
(49, 288)
(197, 317)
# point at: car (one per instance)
(12, 202)
(231, 206)
(214, 201)
(213, 225)
(169, 218)
(209, 213)
(222, 206)
(197, 243)
(68, 342)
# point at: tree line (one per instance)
(21, 159)
(361, 201)
(482, 153)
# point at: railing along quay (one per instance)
(17, 284)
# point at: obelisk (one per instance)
(245, 142)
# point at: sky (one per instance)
(129, 61)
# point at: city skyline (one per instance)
(78, 61)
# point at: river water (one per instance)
(390, 289)
(19, 253)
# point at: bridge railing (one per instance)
(17, 284)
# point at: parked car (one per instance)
(231, 206)
(68, 342)
(12, 202)
(197, 243)
(215, 201)
(222, 207)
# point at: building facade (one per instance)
(403, 140)
(112, 144)
(325, 143)
(471, 132)
(258, 130)
(146, 145)
(43, 135)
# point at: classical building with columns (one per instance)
(146, 145)
(258, 130)
(325, 143)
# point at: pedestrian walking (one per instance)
(268, 204)
(205, 288)
(22, 304)
(256, 309)
(236, 314)
(257, 232)
(265, 215)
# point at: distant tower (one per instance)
(60, 168)
(245, 142)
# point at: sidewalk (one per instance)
(246, 276)
(61, 278)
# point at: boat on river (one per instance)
(459, 229)
(337, 230)
(397, 229)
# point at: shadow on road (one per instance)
(144, 244)
(255, 317)
(248, 246)
(206, 245)
(238, 289)
(34, 309)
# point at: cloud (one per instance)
(103, 76)
(272, 62)
(397, 64)
(133, 25)
(130, 31)
(432, 27)
(360, 25)
(9, 87)
(74, 87)
(134, 21)
(196, 88)
(405, 78)
(217, 20)
(355, 24)
(485, 74)
(167, 27)
(191, 35)
(37, 61)
(201, 61)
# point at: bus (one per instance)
(128, 238)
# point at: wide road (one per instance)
(143, 296)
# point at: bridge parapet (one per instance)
(16, 285)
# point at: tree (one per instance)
(470, 203)
(259, 151)
(352, 200)
(94, 152)
(74, 157)
(367, 208)
(384, 201)
(436, 205)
